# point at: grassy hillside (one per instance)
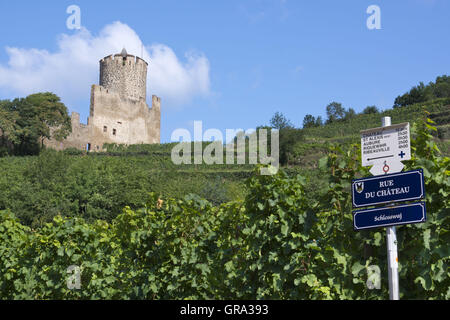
(276, 244)
(100, 185)
(318, 139)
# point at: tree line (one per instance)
(335, 112)
(25, 123)
(420, 93)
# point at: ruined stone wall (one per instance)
(118, 111)
(122, 121)
(113, 120)
(154, 121)
(77, 139)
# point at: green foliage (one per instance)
(315, 140)
(278, 243)
(438, 108)
(421, 93)
(349, 114)
(26, 122)
(319, 121)
(309, 121)
(99, 185)
(288, 138)
(288, 135)
(279, 122)
(335, 112)
(370, 110)
(425, 246)
(9, 130)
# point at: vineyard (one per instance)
(319, 139)
(94, 186)
(276, 240)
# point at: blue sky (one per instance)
(232, 64)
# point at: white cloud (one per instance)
(74, 67)
(171, 78)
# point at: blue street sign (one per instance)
(402, 186)
(390, 216)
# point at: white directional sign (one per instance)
(384, 149)
(385, 146)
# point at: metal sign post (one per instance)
(391, 238)
(384, 148)
(391, 241)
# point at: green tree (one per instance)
(9, 131)
(288, 138)
(277, 243)
(279, 121)
(421, 93)
(370, 110)
(441, 89)
(41, 116)
(319, 121)
(335, 112)
(309, 121)
(349, 114)
(287, 133)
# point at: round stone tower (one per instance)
(125, 74)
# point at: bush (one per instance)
(276, 244)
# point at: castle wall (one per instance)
(153, 122)
(128, 76)
(77, 139)
(118, 111)
(130, 120)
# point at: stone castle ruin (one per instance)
(119, 112)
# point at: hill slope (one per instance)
(100, 185)
(317, 139)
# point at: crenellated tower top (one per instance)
(125, 74)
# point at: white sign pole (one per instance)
(391, 241)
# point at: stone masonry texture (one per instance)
(118, 112)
